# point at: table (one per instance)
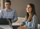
(8, 27)
(5, 26)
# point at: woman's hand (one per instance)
(22, 27)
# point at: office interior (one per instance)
(20, 7)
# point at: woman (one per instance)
(30, 19)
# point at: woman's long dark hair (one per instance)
(33, 11)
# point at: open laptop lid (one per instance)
(4, 21)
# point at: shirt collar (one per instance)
(9, 10)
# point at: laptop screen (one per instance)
(4, 21)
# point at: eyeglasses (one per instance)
(7, 4)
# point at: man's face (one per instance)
(7, 5)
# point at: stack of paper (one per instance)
(14, 24)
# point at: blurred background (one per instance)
(20, 7)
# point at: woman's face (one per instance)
(28, 9)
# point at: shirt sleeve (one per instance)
(15, 17)
(34, 23)
(23, 22)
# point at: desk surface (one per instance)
(13, 24)
(8, 27)
(5, 26)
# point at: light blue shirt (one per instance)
(9, 14)
(32, 24)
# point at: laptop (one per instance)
(7, 21)
(4, 21)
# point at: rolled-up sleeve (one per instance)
(34, 23)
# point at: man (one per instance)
(8, 12)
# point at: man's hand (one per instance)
(12, 21)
